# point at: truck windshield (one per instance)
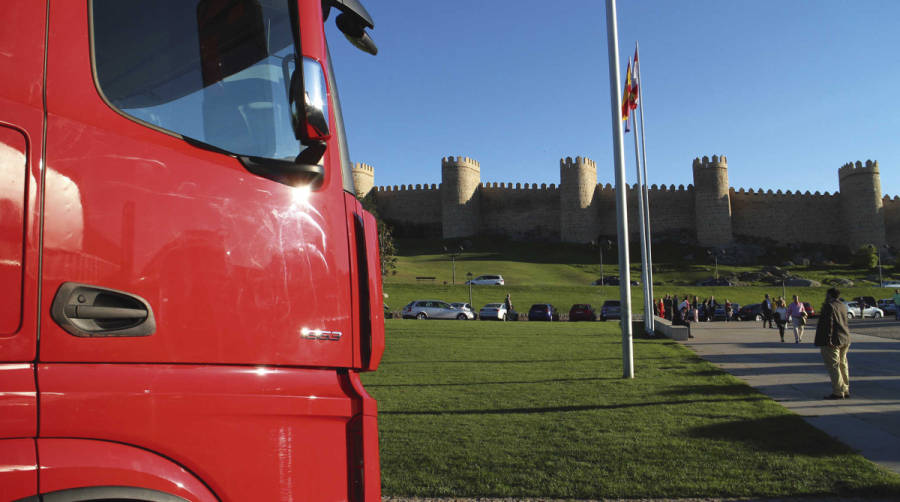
(214, 71)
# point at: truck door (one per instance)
(21, 121)
(151, 203)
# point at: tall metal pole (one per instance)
(612, 34)
(646, 182)
(648, 306)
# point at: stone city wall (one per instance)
(787, 217)
(573, 212)
(525, 212)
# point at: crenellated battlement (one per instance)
(578, 163)
(716, 162)
(460, 161)
(360, 166)
(850, 168)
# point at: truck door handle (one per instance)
(94, 311)
(90, 312)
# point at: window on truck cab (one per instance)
(213, 72)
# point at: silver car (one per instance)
(491, 280)
(493, 311)
(435, 309)
(853, 311)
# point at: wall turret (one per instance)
(862, 208)
(712, 203)
(460, 179)
(577, 184)
(363, 179)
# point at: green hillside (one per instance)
(562, 274)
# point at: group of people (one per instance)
(777, 314)
(688, 310)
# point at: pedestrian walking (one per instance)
(797, 313)
(667, 304)
(833, 340)
(766, 308)
(897, 303)
(728, 310)
(780, 315)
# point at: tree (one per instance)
(387, 248)
(865, 257)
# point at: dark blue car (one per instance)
(543, 312)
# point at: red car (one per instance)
(582, 312)
(177, 232)
(810, 311)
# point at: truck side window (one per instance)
(211, 71)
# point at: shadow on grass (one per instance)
(556, 409)
(471, 384)
(737, 389)
(494, 361)
(779, 434)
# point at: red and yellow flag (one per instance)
(629, 99)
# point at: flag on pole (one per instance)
(636, 81)
(629, 98)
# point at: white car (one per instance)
(853, 311)
(891, 284)
(435, 309)
(462, 306)
(493, 280)
(493, 311)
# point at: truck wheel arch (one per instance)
(76, 470)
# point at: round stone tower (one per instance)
(460, 178)
(363, 179)
(577, 215)
(862, 209)
(712, 203)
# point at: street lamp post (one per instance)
(469, 277)
(880, 276)
(452, 255)
(600, 246)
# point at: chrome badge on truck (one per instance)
(320, 334)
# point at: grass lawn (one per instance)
(540, 410)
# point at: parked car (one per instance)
(543, 312)
(853, 311)
(752, 312)
(435, 309)
(891, 284)
(719, 313)
(493, 312)
(888, 306)
(810, 311)
(715, 282)
(582, 312)
(611, 309)
(612, 280)
(491, 280)
(462, 306)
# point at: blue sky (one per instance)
(789, 90)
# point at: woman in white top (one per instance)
(797, 312)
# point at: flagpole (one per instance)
(648, 312)
(612, 34)
(646, 191)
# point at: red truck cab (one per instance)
(190, 289)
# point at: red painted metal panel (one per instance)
(250, 433)
(18, 469)
(18, 401)
(21, 121)
(376, 295)
(13, 166)
(236, 267)
(75, 463)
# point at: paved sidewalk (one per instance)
(794, 375)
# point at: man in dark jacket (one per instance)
(833, 339)
(766, 310)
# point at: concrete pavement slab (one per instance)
(794, 375)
